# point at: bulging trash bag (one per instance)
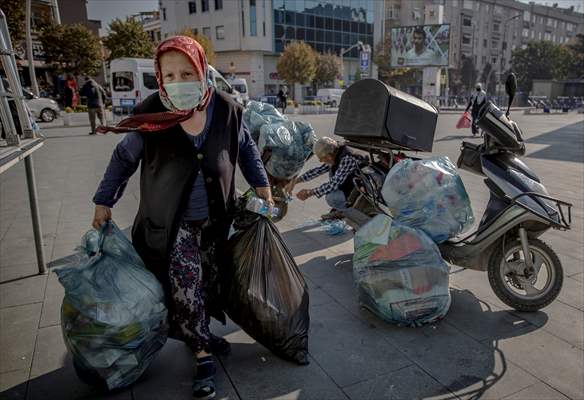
(290, 142)
(113, 316)
(400, 274)
(266, 293)
(428, 195)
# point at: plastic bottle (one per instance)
(261, 207)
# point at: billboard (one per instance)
(419, 46)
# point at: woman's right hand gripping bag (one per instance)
(113, 316)
(400, 274)
(266, 293)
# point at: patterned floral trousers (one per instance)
(188, 288)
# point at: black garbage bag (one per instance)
(267, 295)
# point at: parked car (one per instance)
(331, 97)
(42, 108)
(240, 85)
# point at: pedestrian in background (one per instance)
(476, 101)
(283, 99)
(95, 95)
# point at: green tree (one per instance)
(328, 67)
(71, 49)
(468, 72)
(540, 60)
(204, 41)
(576, 64)
(297, 64)
(489, 78)
(128, 39)
(15, 13)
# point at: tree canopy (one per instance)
(204, 41)
(540, 60)
(71, 49)
(328, 67)
(128, 39)
(297, 64)
(16, 18)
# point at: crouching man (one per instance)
(341, 165)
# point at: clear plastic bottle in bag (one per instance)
(260, 206)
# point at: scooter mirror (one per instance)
(511, 89)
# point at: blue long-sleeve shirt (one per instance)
(128, 153)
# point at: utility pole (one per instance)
(31, 71)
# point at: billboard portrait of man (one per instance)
(420, 54)
(418, 46)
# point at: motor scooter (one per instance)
(523, 271)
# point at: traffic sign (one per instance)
(364, 58)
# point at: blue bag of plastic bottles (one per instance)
(290, 142)
(113, 316)
(400, 274)
(428, 195)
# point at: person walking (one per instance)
(283, 98)
(95, 95)
(188, 139)
(476, 101)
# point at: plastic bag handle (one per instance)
(103, 231)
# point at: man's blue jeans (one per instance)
(337, 200)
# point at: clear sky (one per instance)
(107, 10)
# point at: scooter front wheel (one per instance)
(519, 286)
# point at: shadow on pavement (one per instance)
(564, 144)
(307, 239)
(457, 137)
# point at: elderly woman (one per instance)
(341, 164)
(188, 139)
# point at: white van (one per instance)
(240, 85)
(131, 81)
(134, 79)
(331, 97)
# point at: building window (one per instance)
(220, 32)
(498, 10)
(466, 21)
(569, 27)
(204, 5)
(526, 32)
(164, 14)
(494, 44)
(264, 17)
(192, 7)
(548, 36)
(504, 45)
(494, 60)
(252, 18)
(485, 43)
(495, 27)
(467, 4)
(484, 59)
(539, 36)
(465, 39)
(532, 34)
(526, 16)
(553, 38)
(218, 4)
(207, 32)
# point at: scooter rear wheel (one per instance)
(518, 286)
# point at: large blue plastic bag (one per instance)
(400, 274)
(113, 316)
(428, 195)
(290, 142)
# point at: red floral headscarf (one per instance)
(163, 120)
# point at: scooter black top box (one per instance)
(372, 110)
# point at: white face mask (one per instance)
(184, 95)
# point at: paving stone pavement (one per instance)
(482, 349)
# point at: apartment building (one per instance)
(249, 35)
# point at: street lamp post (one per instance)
(501, 55)
(343, 52)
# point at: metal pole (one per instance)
(34, 211)
(31, 71)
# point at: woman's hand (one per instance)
(266, 194)
(304, 194)
(101, 216)
(290, 186)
